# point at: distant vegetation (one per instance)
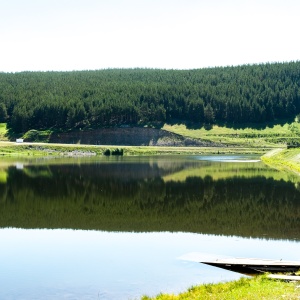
(94, 99)
(263, 135)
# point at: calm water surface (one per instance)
(118, 228)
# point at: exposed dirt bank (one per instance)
(129, 137)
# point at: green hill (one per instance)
(136, 97)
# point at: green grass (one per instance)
(259, 287)
(284, 159)
(3, 132)
(45, 149)
(273, 136)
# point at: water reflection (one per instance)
(191, 194)
(3, 176)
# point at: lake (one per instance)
(122, 227)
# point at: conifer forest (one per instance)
(115, 97)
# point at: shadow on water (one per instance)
(245, 199)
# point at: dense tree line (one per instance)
(65, 100)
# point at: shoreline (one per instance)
(279, 158)
(283, 159)
(257, 287)
(48, 149)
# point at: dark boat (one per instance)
(252, 266)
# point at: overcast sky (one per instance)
(170, 34)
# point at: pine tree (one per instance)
(209, 116)
(3, 113)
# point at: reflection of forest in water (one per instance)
(230, 199)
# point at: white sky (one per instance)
(170, 34)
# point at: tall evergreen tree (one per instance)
(3, 113)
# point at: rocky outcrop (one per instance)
(128, 137)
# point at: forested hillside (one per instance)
(93, 99)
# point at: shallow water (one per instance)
(76, 264)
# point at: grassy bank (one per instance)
(269, 136)
(247, 135)
(45, 149)
(234, 144)
(259, 287)
(246, 139)
(284, 159)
